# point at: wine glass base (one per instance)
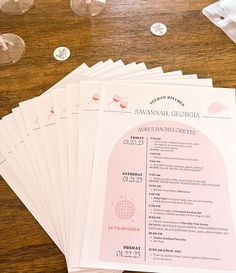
(88, 8)
(17, 7)
(15, 51)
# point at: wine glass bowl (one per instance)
(123, 105)
(115, 99)
(95, 98)
(16, 7)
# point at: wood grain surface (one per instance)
(192, 44)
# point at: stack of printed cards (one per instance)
(128, 168)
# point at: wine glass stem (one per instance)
(18, 3)
(3, 43)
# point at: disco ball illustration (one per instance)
(125, 209)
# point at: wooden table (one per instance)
(192, 44)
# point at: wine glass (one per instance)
(95, 98)
(51, 113)
(15, 7)
(123, 105)
(12, 48)
(115, 99)
(87, 7)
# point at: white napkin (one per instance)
(223, 15)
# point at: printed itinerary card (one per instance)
(128, 168)
(163, 182)
(86, 142)
(83, 93)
